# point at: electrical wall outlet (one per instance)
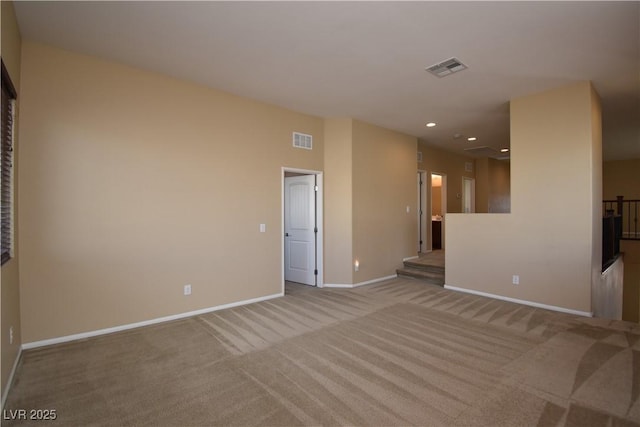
(187, 289)
(11, 335)
(516, 279)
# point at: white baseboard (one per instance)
(7, 386)
(410, 258)
(75, 337)
(521, 301)
(355, 285)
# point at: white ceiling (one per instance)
(367, 60)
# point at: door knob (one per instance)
(286, 234)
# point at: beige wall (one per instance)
(608, 296)
(436, 200)
(555, 254)
(598, 280)
(452, 166)
(384, 185)
(449, 164)
(338, 201)
(631, 288)
(134, 184)
(482, 185)
(493, 186)
(10, 302)
(370, 179)
(621, 178)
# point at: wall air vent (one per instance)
(301, 140)
(445, 68)
(468, 166)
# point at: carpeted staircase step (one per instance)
(422, 274)
(424, 267)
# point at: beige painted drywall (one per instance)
(598, 280)
(436, 200)
(9, 273)
(493, 186)
(133, 184)
(384, 185)
(482, 185)
(631, 283)
(338, 201)
(370, 179)
(555, 253)
(621, 178)
(453, 167)
(608, 296)
(450, 164)
(11, 41)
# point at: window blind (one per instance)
(6, 164)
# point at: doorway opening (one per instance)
(423, 210)
(302, 231)
(438, 209)
(468, 195)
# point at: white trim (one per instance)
(355, 285)
(320, 219)
(521, 301)
(7, 386)
(320, 223)
(410, 258)
(90, 334)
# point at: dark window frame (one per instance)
(7, 141)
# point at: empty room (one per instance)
(320, 213)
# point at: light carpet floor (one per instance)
(397, 353)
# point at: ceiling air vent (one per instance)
(301, 140)
(445, 68)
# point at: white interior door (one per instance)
(299, 229)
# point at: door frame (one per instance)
(424, 206)
(472, 196)
(319, 222)
(443, 205)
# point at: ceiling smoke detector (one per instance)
(445, 68)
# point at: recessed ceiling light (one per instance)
(430, 124)
(504, 150)
(471, 138)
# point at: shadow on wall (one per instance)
(493, 186)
